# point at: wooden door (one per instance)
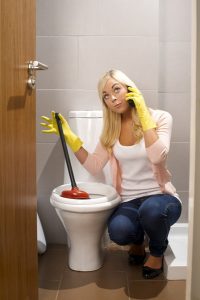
(18, 243)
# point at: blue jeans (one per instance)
(151, 215)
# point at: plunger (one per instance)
(74, 193)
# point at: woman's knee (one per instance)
(121, 230)
(117, 231)
(156, 210)
(173, 212)
(151, 214)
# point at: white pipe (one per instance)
(41, 241)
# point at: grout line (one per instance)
(67, 89)
(86, 90)
(174, 42)
(54, 142)
(173, 142)
(127, 283)
(98, 36)
(153, 280)
(174, 92)
(61, 279)
(37, 143)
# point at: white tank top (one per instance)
(137, 176)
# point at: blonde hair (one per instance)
(112, 121)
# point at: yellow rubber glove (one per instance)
(71, 139)
(143, 113)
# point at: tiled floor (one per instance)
(115, 280)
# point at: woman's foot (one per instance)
(136, 254)
(152, 267)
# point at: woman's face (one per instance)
(114, 96)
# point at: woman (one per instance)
(136, 140)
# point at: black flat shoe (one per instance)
(136, 259)
(149, 273)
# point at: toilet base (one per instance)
(86, 251)
(85, 262)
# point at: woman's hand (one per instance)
(143, 113)
(71, 139)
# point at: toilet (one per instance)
(85, 220)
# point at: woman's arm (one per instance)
(81, 155)
(150, 137)
(157, 151)
(94, 162)
(156, 128)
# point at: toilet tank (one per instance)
(87, 125)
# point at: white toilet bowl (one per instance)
(85, 222)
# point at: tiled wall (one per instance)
(174, 87)
(81, 40)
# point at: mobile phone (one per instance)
(130, 102)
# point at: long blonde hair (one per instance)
(112, 120)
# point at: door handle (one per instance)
(34, 65)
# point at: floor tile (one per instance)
(48, 290)
(52, 263)
(157, 290)
(116, 279)
(93, 285)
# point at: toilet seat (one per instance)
(98, 190)
(105, 198)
